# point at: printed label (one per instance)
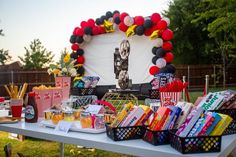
(29, 112)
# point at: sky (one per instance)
(52, 21)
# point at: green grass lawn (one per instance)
(32, 147)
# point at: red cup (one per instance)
(16, 107)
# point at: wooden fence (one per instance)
(195, 75)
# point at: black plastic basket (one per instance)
(125, 133)
(154, 94)
(83, 91)
(231, 129)
(201, 144)
(157, 137)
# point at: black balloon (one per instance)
(79, 39)
(154, 59)
(163, 70)
(80, 71)
(139, 30)
(171, 68)
(160, 52)
(73, 55)
(109, 14)
(103, 17)
(98, 21)
(148, 23)
(116, 11)
(80, 52)
(154, 49)
(72, 39)
(88, 30)
(117, 20)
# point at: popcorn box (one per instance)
(43, 100)
(57, 95)
(169, 98)
(64, 83)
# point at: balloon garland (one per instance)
(152, 26)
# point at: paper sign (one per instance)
(95, 109)
(63, 126)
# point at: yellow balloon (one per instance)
(154, 34)
(108, 26)
(130, 30)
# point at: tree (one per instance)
(36, 57)
(191, 43)
(4, 56)
(219, 20)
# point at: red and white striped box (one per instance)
(170, 98)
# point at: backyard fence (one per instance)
(195, 76)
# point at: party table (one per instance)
(101, 141)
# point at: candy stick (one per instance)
(15, 91)
(23, 90)
(18, 95)
(8, 91)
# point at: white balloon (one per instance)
(87, 38)
(167, 20)
(159, 42)
(115, 26)
(160, 63)
(128, 21)
(110, 19)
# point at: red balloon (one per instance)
(169, 57)
(167, 46)
(84, 24)
(138, 20)
(95, 30)
(154, 28)
(91, 22)
(74, 32)
(80, 60)
(162, 25)
(123, 27)
(79, 32)
(101, 30)
(154, 70)
(147, 32)
(167, 34)
(122, 16)
(155, 17)
(74, 47)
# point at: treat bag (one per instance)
(43, 99)
(170, 98)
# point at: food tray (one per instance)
(75, 127)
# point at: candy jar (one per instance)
(69, 116)
(85, 120)
(56, 117)
(77, 114)
(99, 121)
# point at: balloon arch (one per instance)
(154, 27)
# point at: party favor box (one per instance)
(43, 98)
(64, 83)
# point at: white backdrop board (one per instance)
(99, 59)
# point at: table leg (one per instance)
(61, 149)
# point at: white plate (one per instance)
(75, 127)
